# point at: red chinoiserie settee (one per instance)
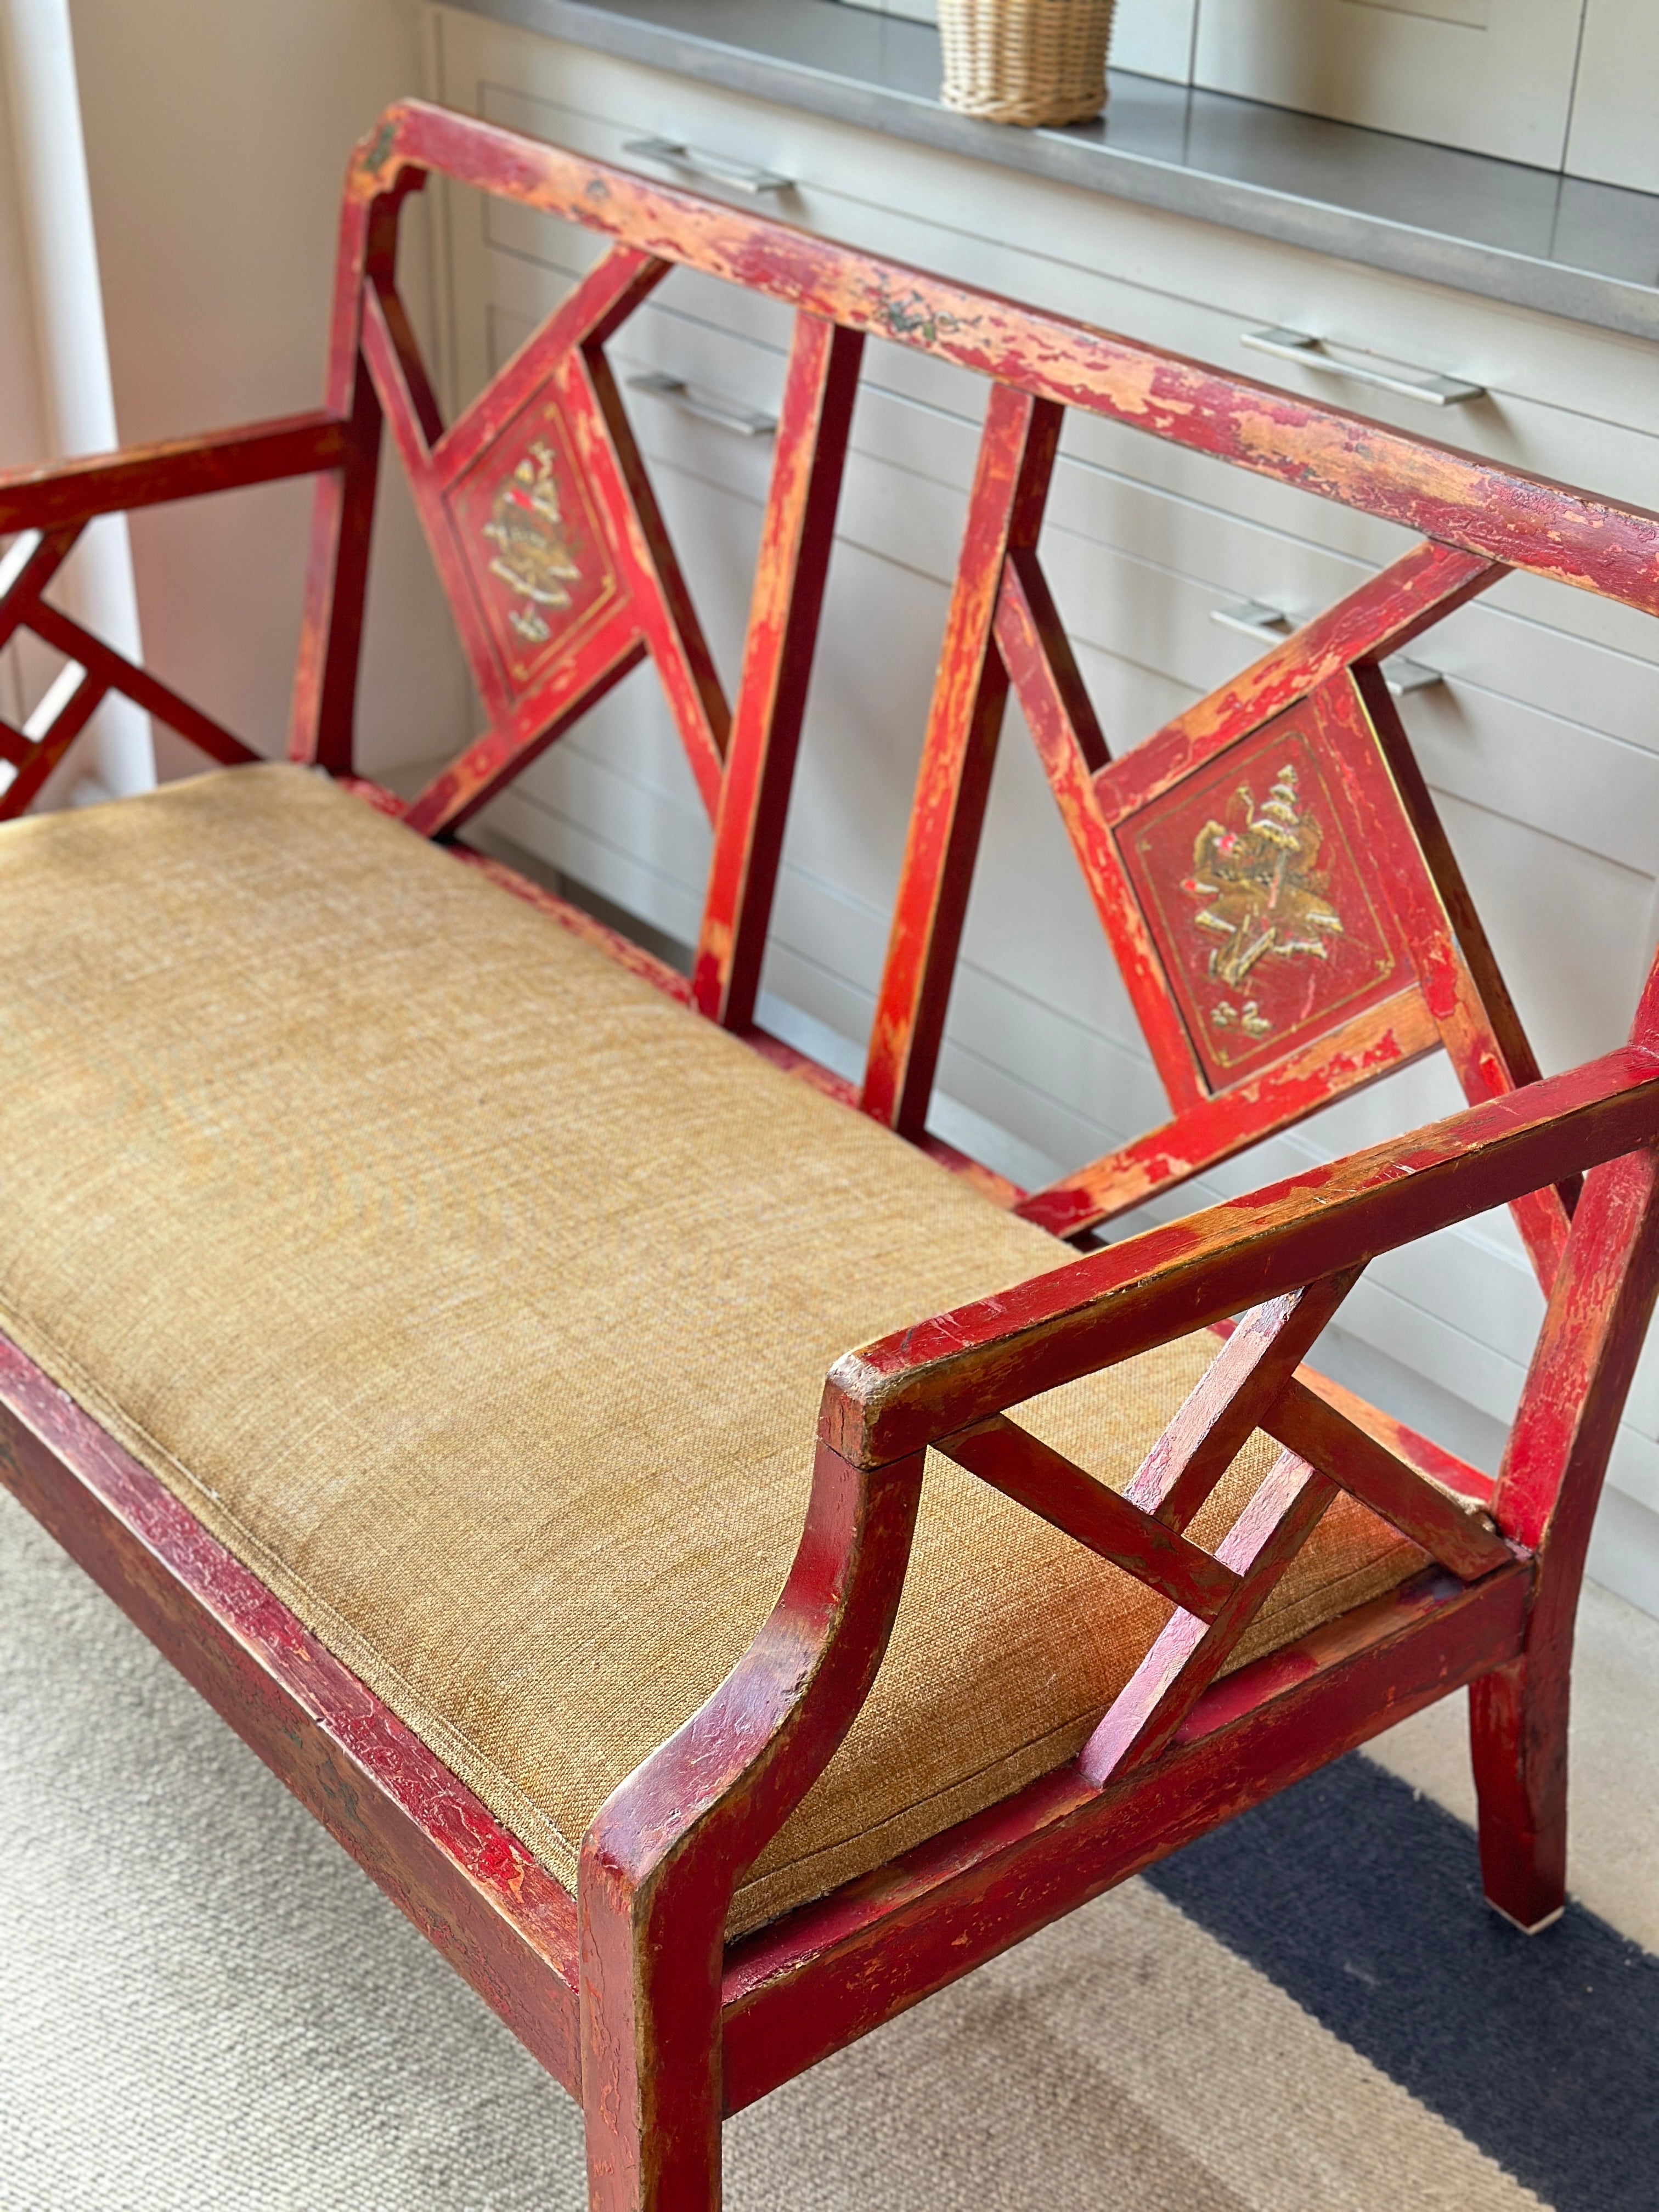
(417, 1300)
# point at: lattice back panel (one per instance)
(1268, 867)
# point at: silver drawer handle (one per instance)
(1267, 625)
(1251, 618)
(708, 169)
(1310, 353)
(707, 406)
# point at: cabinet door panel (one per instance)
(1614, 136)
(1493, 76)
(1154, 37)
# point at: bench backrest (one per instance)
(1268, 867)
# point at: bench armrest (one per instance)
(60, 493)
(661, 1859)
(43, 510)
(910, 1390)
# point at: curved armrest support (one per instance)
(664, 1853)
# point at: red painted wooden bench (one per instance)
(1291, 924)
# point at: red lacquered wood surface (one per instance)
(1453, 1529)
(813, 425)
(34, 561)
(1010, 1459)
(1233, 1399)
(1545, 1495)
(1499, 514)
(1438, 981)
(60, 492)
(1002, 631)
(923, 1383)
(1004, 511)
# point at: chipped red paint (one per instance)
(813, 425)
(373, 795)
(1500, 514)
(1255, 885)
(924, 1382)
(550, 545)
(1016, 458)
(171, 472)
(1380, 616)
(1368, 1047)
(58, 492)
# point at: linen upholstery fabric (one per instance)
(479, 1298)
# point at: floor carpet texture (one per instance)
(203, 2002)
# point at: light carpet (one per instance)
(204, 2003)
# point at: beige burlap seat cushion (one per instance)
(479, 1298)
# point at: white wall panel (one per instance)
(217, 139)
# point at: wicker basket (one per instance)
(1025, 61)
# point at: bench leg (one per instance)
(1518, 1737)
(651, 2057)
(651, 2164)
(644, 2157)
(660, 1859)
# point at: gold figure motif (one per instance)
(534, 557)
(1248, 1016)
(1262, 890)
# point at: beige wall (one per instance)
(20, 392)
(20, 421)
(217, 132)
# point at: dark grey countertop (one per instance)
(1559, 244)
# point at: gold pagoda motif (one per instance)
(1262, 893)
(532, 553)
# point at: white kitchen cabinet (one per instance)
(1154, 37)
(1557, 84)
